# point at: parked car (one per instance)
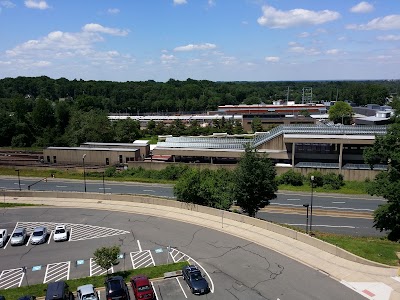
(18, 237)
(195, 280)
(60, 233)
(87, 292)
(116, 288)
(27, 297)
(3, 237)
(39, 235)
(58, 291)
(2, 297)
(142, 288)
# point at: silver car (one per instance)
(87, 292)
(18, 237)
(39, 235)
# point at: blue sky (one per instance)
(217, 40)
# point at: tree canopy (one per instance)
(254, 181)
(106, 257)
(341, 112)
(387, 184)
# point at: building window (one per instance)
(120, 159)
(48, 158)
(107, 161)
(54, 159)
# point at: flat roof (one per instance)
(94, 149)
(329, 136)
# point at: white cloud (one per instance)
(41, 63)
(7, 4)
(390, 37)
(272, 59)
(211, 3)
(274, 18)
(193, 47)
(35, 4)
(303, 50)
(179, 2)
(304, 34)
(113, 11)
(391, 22)
(167, 59)
(332, 51)
(362, 7)
(92, 27)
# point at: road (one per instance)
(346, 214)
(237, 268)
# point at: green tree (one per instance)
(127, 130)
(106, 257)
(255, 183)
(387, 183)
(43, 114)
(256, 125)
(341, 112)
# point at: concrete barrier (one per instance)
(332, 249)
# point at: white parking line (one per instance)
(70, 234)
(140, 247)
(8, 241)
(11, 278)
(142, 259)
(29, 240)
(181, 286)
(57, 271)
(154, 290)
(51, 232)
(95, 269)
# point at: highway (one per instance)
(346, 214)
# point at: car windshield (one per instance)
(88, 297)
(17, 234)
(115, 285)
(143, 288)
(62, 230)
(38, 233)
(1, 235)
(196, 276)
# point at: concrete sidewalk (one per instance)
(373, 282)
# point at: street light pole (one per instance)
(312, 191)
(19, 180)
(84, 171)
(104, 188)
(306, 206)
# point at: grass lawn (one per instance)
(350, 187)
(373, 248)
(98, 281)
(2, 204)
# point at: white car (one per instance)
(60, 233)
(3, 237)
(87, 292)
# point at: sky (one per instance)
(216, 40)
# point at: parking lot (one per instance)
(170, 288)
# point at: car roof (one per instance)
(60, 226)
(86, 289)
(39, 228)
(141, 279)
(19, 229)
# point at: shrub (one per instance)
(110, 171)
(291, 177)
(318, 178)
(333, 181)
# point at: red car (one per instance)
(142, 288)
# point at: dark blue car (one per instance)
(195, 280)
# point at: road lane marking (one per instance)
(329, 207)
(181, 286)
(329, 226)
(339, 202)
(333, 196)
(149, 191)
(140, 247)
(293, 199)
(61, 186)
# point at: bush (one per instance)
(318, 178)
(110, 171)
(291, 177)
(333, 181)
